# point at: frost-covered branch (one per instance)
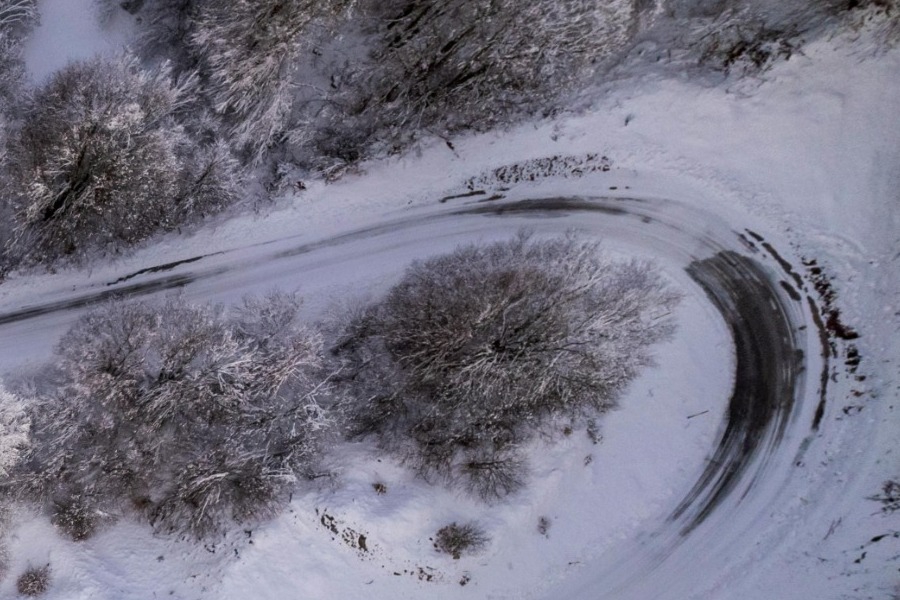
(16, 13)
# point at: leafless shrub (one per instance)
(76, 518)
(744, 45)
(471, 351)
(34, 582)
(192, 416)
(456, 540)
(593, 431)
(494, 475)
(889, 496)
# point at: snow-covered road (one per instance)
(763, 303)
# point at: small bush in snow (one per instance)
(34, 582)
(76, 517)
(543, 526)
(738, 44)
(497, 473)
(471, 351)
(889, 496)
(193, 416)
(456, 540)
(101, 161)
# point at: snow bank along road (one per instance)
(779, 333)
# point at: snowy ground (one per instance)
(806, 158)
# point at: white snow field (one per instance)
(801, 164)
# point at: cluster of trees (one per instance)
(103, 155)
(111, 151)
(341, 79)
(446, 66)
(188, 414)
(250, 52)
(195, 416)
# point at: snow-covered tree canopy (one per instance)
(16, 16)
(249, 51)
(101, 161)
(470, 351)
(195, 416)
(448, 65)
(481, 58)
(14, 431)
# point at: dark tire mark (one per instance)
(128, 291)
(826, 356)
(464, 195)
(790, 291)
(785, 265)
(768, 362)
(547, 205)
(159, 268)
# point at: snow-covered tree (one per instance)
(471, 351)
(249, 51)
(14, 431)
(210, 180)
(164, 28)
(16, 17)
(14, 443)
(445, 65)
(17, 14)
(193, 415)
(102, 161)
